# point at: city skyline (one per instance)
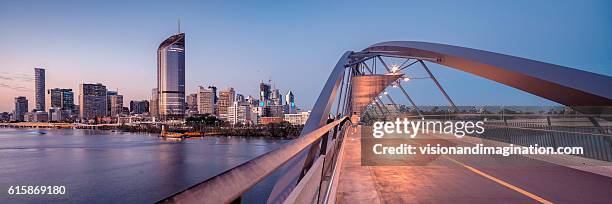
(255, 35)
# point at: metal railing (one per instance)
(596, 141)
(230, 185)
(316, 185)
(591, 132)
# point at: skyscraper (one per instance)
(92, 101)
(171, 77)
(206, 100)
(226, 99)
(154, 105)
(39, 88)
(264, 94)
(116, 102)
(21, 107)
(290, 103)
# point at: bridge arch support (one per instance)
(564, 85)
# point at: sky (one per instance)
(295, 44)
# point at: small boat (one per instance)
(40, 132)
(194, 134)
(166, 133)
(173, 135)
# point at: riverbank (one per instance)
(281, 131)
(275, 130)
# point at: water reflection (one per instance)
(110, 167)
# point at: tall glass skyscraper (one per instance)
(171, 77)
(39, 88)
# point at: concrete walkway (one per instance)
(460, 179)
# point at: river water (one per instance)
(114, 167)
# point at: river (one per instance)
(114, 167)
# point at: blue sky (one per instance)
(296, 44)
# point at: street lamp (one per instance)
(394, 68)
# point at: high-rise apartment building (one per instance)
(116, 102)
(92, 101)
(21, 107)
(60, 98)
(171, 77)
(226, 99)
(206, 100)
(39, 88)
(154, 105)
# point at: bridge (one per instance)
(329, 162)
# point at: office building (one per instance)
(60, 98)
(154, 105)
(39, 88)
(275, 111)
(108, 100)
(36, 116)
(21, 108)
(206, 100)
(171, 77)
(116, 102)
(139, 107)
(214, 91)
(297, 118)
(240, 113)
(290, 103)
(276, 98)
(5, 116)
(57, 114)
(226, 99)
(92, 101)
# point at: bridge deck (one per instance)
(459, 179)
